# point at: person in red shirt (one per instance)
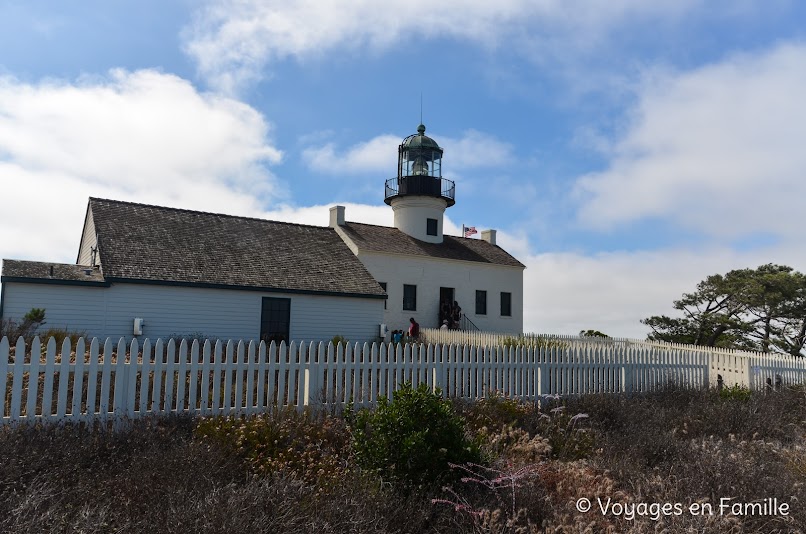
(414, 329)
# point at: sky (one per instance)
(624, 150)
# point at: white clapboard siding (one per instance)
(113, 382)
(171, 311)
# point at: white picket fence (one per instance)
(489, 339)
(754, 370)
(467, 337)
(114, 382)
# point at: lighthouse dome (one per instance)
(420, 140)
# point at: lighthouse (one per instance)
(419, 194)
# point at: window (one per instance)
(506, 304)
(409, 297)
(383, 286)
(431, 226)
(275, 320)
(481, 302)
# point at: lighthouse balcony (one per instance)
(420, 185)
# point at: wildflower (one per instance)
(578, 417)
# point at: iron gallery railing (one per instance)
(421, 185)
(107, 382)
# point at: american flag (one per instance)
(469, 230)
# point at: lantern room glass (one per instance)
(422, 162)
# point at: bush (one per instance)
(340, 340)
(25, 329)
(509, 426)
(412, 439)
(593, 333)
(567, 434)
(494, 411)
(60, 334)
(537, 342)
(309, 447)
(735, 392)
(35, 316)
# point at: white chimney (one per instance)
(336, 216)
(488, 236)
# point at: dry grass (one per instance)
(673, 446)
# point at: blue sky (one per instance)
(624, 149)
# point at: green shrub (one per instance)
(35, 316)
(593, 333)
(25, 329)
(735, 392)
(413, 439)
(340, 340)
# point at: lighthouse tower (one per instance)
(419, 194)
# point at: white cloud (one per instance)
(232, 41)
(611, 292)
(140, 136)
(320, 215)
(476, 149)
(473, 149)
(379, 154)
(718, 149)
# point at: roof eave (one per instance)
(54, 281)
(265, 289)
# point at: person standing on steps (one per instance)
(414, 329)
(456, 315)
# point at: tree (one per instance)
(592, 333)
(761, 309)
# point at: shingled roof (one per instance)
(138, 242)
(56, 272)
(372, 238)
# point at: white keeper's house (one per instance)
(150, 271)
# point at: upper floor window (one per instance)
(409, 297)
(383, 286)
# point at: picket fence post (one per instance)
(121, 383)
(5, 354)
(313, 377)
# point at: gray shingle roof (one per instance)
(151, 243)
(40, 270)
(369, 237)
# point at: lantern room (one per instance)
(419, 170)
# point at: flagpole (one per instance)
(463, 230)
